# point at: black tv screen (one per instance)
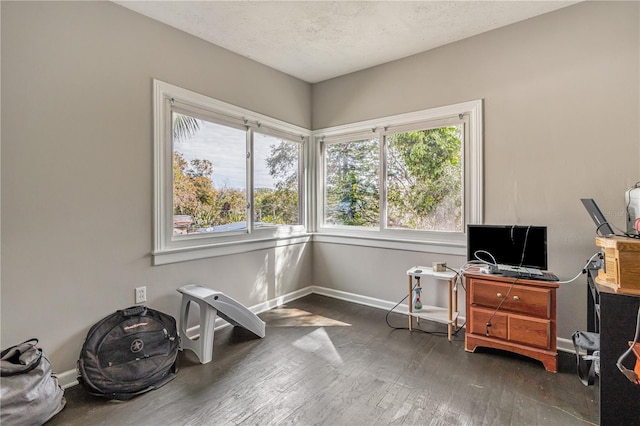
(514, 245)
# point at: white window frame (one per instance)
(414, 240)
(169, 248)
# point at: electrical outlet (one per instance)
(141, 294)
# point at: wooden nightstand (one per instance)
(516, 315)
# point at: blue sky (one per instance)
(225, 147)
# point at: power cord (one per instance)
(458, 277)
(582, 271)
(630, 374)
(435, 333)
(493, 259)
(493, 314)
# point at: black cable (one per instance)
(435, 333)
(459, 277)
(453, 270)
(493, 314)
(386, 318)
(600, 226)
(524, 246)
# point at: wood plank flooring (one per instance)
(329, 362)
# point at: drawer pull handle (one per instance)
(516, 298)
(499, 295)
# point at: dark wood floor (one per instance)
(330, 362)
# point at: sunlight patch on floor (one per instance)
(319, 343)
(290, 317)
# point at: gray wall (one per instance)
(561, 114)
(77, 153)
(77, 168)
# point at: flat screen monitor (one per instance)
(513, 245)
(602, 225)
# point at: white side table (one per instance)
(447, 315)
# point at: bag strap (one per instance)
(587, 378)
(6, 351)
(15, 352)
(134, 311)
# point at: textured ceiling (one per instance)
(318, 40)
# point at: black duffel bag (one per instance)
(128, 353)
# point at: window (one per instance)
(224, 177)
(351, 190)
(424, 179)
(276, 192)
(414, 177)
(228, 180)
(209, 176)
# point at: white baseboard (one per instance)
(564, 345)
(69, 378)
(354, 298)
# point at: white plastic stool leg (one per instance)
(202, 345)
(212, 303)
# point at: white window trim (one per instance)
(422, 241)
(169, 249)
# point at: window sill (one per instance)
(183, 254)
(454, 244)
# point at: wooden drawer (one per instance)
(514, 328)
(478, 323)
(533, 301)
(530, 331)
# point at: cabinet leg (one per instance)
(550, 364)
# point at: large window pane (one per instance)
(209, 176)
(212, 165)
(275, 194)
(424, 179)
(352, 183)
